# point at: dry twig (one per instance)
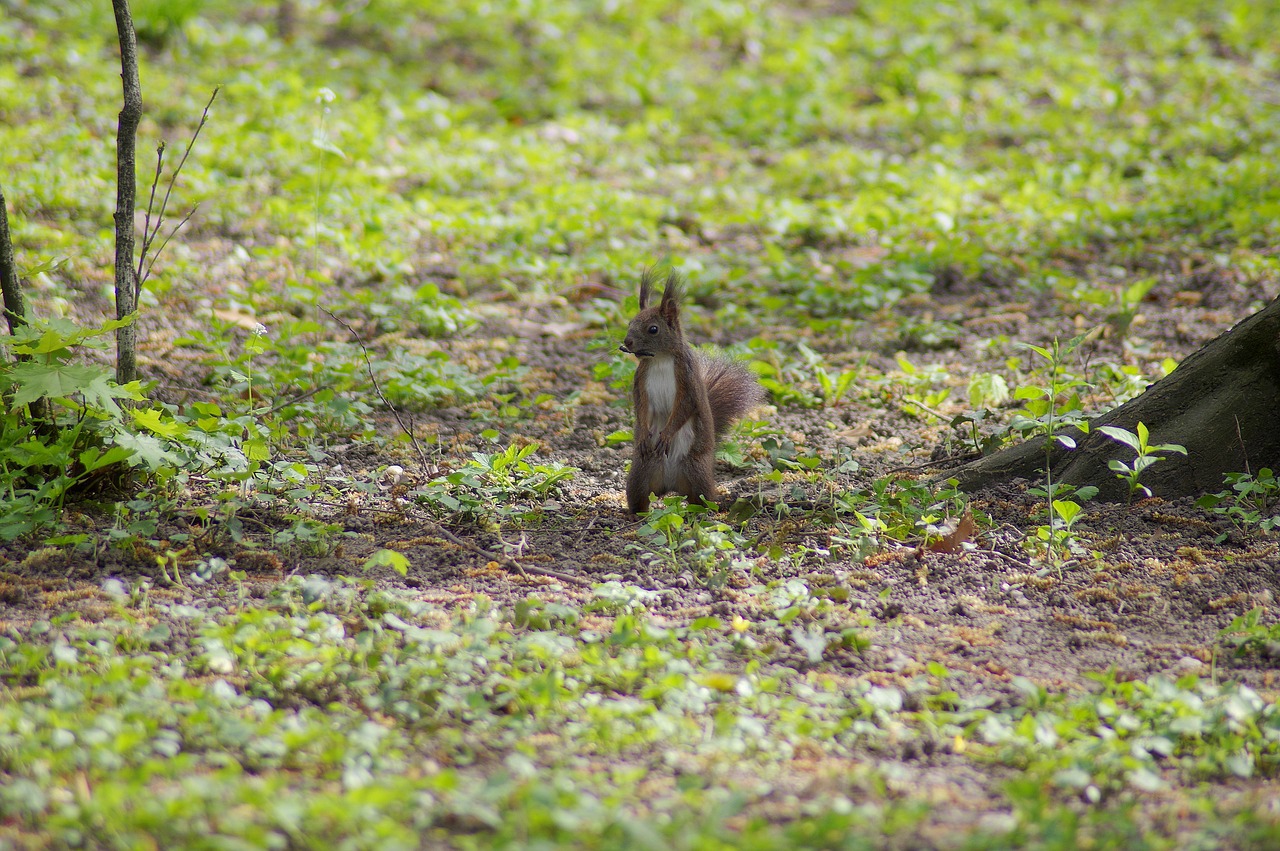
(377, 388)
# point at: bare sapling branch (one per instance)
(151, 200)
(148, 232)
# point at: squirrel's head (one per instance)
(655, 330)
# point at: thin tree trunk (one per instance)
(1221, 403)
(15, 309)
(126, 193)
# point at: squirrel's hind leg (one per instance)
(646, 477)
(697, 482)
(638, 490)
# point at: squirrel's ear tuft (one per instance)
(646, 286)
(670, 306)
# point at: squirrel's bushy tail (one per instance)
(731, 389)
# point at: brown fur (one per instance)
(709, 394)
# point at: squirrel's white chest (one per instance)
(660, 388)
(660, 385)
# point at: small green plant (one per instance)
(305, 535)
(496, 486)
(1249, 503)
(833, 385)
(896, 509)
(1145, 455)
(988, 388)
(784, 455)
(1051, 409)
(732, 449)
(1122, 382)
(684, 534)
(783, 376)
(1056, 536)
(1119, 302)
(924, 387)
(320, 386)
(613, 370)
(966, 424)
(254, 345)
(388, 558)
(44, 460)
(533, 613)
(813, 620)
(1245, 634)
(616, 598)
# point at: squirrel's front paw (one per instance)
(661, 446)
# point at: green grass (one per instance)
(543, 143)
(337, 712)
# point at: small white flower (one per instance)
(259, 329)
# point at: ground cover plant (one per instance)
(350, 565)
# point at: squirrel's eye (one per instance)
(653, 329)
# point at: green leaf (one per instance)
(256, 449)
(1176, 448)
(146, 449)
(329, 148)
(94, 458)
(388, 558)
(154, 420)
(42, 267)
(34, 380)
(1123, 435)
(1072, 778)
(102, 391)
(717, 681)
(1145, 780)
(1066, 509)
(59, 334)
(988, 389)
(1241, 765)
(158, 634)
(1211, 500)
(812, 640)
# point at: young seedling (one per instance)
(1249, 503)
(1146, 455)
(1051, 418)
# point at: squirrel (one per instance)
(684, 402)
